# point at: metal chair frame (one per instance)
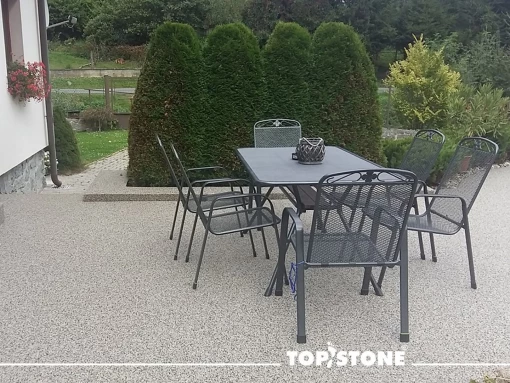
(396, 255)
(218, 210)
(480, 146)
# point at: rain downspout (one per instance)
(41, 7)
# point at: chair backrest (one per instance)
(277, 133)
(423, 153)
(377, 212)
(464, 176)
(173, 174)
(187, 182)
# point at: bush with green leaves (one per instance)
(394, 151)
(168, 101)
(422, 84)
(98, 119)
(344, 103)
(483, 112)
(234, 91)
(68, 153)
(286, 58)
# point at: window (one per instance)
(13, 36)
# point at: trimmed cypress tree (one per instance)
(235, 92)
(345, 105)
(68, 153)
(168, 101)
(286, 58)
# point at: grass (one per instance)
(66, 60)
(96, 145)
(92, 82)
(78, 102)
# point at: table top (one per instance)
(275, 166)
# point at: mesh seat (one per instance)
(346, 236)
(227, 222)
(346, 248)
(208, 199)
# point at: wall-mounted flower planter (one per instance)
(26, 82)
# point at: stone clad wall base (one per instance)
(26, 177)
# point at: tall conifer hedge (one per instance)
(344, 101)
(168, 101)
(234, 92)
(286, 58)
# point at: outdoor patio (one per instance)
(96, 283)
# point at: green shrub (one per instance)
(422, 85)
(168, 101)
(394, 151)
(286, 58)
(98, 119)
(480, 112)
(68, 154)
(344, 103)
(235, 92)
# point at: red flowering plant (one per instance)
(26, 82)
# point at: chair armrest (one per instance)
(238, 196)
(205, 168)
(427, 198)
(230, 181)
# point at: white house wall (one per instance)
(22, 127)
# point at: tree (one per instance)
(422, 85)
(60, 10)
(261, 16)
(168, 101)
(286, 59)
(68, 153)
(234, 90)
(192, 12)
(344, 101)
(126, 22)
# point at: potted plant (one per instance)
(28, 81)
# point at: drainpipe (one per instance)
(41, 7)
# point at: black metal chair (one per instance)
(447, 210)
(341, 241)
(190, 206)
(224, 214)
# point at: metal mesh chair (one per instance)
(346, 241)
(276, 133)
(225, 214)
(423, 153)
(190, 205)
(448, 208)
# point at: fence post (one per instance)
(107, 92)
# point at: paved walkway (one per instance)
(79, 183)
(96, 283)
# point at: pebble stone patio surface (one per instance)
(85, 282)
(79, 183)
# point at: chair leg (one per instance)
(191, 238)
(433, 247)
(180, 234)
(375, 285)
(404, 290)
(300, 291)
(366, 281)
(381, 276)
(252, 243)
(470, 253)
(265, 243)
(175, 219)
(200, 259)
(420, 236)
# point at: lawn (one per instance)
(66, 60)
(96, 145)
(77, 102)
(91, 82)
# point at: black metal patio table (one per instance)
(274, 167)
